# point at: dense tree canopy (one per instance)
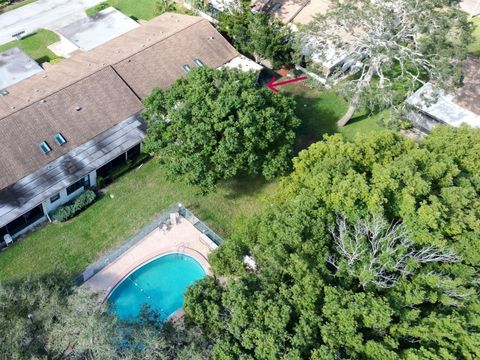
(258, 34)
(399, 43)
(216, 124)
(369, 250)
(47, 319)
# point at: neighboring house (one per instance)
(15, 66)
(299, 12)
(94, 30)
(63, 127)
(434, 107)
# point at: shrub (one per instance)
(100, 182)
(72, 208)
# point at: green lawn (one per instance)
(136, 9)
(320, 111)
(16, 5)
(35, 45)
(139, 195)
(474, 48)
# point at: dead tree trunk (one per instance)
(356, 98)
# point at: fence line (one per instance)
(162, 218)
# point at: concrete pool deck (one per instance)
(182, 237)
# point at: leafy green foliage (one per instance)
(97, 8)
(407, 210)
(36, 45)
(69, 210)
(474, 47)
(397, 44)
(216, 124)
(258, 34)
(46, 319)
(137, 9)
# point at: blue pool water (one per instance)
(161, 284)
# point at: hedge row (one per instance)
(69, 210)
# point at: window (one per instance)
(74, 187)
(54, 198)
(198, 62)
(59, 138)
(86, 181)
(187, 68)
(45, 147)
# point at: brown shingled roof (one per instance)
(83, 64)
(161, 64)
(104, 100)
(468, 96)
(100, 81)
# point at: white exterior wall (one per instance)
(48, 206)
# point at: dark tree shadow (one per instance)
(317, 120)
(244, 186)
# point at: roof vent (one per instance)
(4, 92)
(211, 38)
(78, 108)
(43, 101)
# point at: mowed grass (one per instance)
(474, 47)
(16, 5)
(142, 194)
(137, 198)
(35, 45)
(320, 110)
(136, 9)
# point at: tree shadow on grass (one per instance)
(43, 59)
(29, 35)
(317, 119)
(358, 118)
(243, 186)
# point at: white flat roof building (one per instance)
(16, 66)
(242, 63)
(95, 30)
(442, 107)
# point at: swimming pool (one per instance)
(160, 283)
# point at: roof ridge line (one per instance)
(200, 19)
(56, 91)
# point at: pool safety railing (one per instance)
(199, 225)
(161, 219)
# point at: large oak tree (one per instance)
(400, 44)
(215, 124)
(369, 250)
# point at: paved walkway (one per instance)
(182, 237)
(48, 14)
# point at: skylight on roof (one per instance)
(59, 139)
(198, 62)
(45, 147)
(187, 68)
